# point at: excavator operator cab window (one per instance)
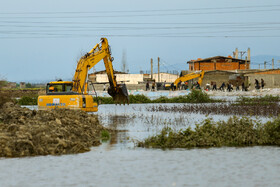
(58, 88)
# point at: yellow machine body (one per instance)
(75, 102)
(59, 95)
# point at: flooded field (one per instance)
(119, 163)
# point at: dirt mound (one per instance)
(25, 132)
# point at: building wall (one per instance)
(134, 78)
(209, 66)
(271, 78)
(127, 78)
(165, 77)
(218, 77)
(227, 65)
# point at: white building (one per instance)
(133, 78)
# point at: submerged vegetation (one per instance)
(264, 100)
(272, 109)
(234, 132)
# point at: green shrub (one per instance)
(105, 100)
(105, 135)
(139, 99)
(234, 132)
(197, 96)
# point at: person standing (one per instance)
(214, 86)
(172, 86)
(179, 85)
(257, 84)
(243, 86)
(153, 86)
(147, 86)
(237, 86)
(262, 83)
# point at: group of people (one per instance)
(258, 85)
(229, 87)
(153, 86)
(224, 86)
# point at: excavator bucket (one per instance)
(120, 94)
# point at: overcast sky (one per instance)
(42, 40)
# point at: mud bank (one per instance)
(25, 132)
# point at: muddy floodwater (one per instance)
(119, 163)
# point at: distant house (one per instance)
(218, 63)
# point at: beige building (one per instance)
(133, 78)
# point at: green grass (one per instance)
(234, 132)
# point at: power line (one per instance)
(139, 11)
(142, 15)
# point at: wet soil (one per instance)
(25, 132)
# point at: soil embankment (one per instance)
(25, 132)
(22, 93)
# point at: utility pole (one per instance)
(264, 64)
(259, 66)
(151, 68)
(124, 68)
(242, 53)
(158, 70)
(273, 63)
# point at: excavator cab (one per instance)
(59, 88)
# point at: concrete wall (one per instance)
(270, 80)
(100, 87)
(165, 77)
(218, 77)
(127, 78)
(135, 78)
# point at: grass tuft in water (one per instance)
(105, 135)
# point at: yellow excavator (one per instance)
(74, 94)
(190, 76)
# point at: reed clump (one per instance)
(234, 132)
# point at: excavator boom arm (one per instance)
(88, 61)
(189, 77)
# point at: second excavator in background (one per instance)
(190, 76)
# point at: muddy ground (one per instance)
(25, 132)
